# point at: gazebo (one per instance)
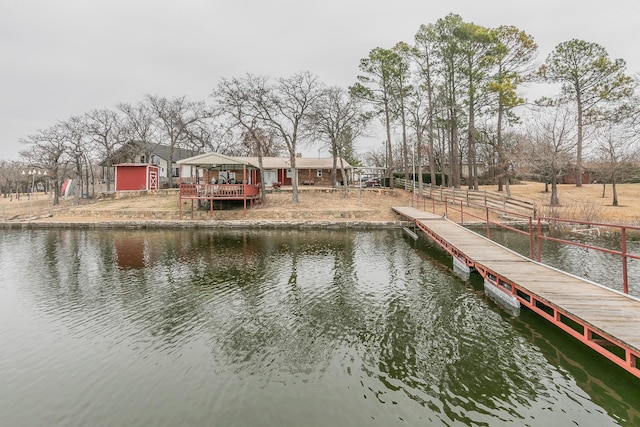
(218, 177)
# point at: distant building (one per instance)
(570, 175)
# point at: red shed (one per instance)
(136, 176)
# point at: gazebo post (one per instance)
(179, 190)
(244, 188)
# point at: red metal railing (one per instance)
(458, 205)
(453, 205)
(622, 253)
(218, 191)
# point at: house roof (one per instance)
(128, 151)
(162, 151)
(301, 162)
(217, 160)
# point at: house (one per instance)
(137, 152)
(220, 177)
(310, 171)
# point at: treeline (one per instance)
(450, 102)
(453, 97)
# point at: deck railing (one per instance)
(465, 207)
(482, 198)
(590, 227)
(219, 191)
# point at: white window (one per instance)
(319, 173)
(288, 173)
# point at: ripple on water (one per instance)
(286, 328)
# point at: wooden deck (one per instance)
(604, 319)
(207, 193)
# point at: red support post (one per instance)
(488, 228)
(530, 238)
(625, 278)
(539, 239)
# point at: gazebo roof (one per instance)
(210, 160)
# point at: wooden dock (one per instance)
(603, 319)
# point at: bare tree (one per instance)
(143, 128)
(377, 156)
(339, 118)
(552, 141)
(282, 109)
(287, 111)
(77, 148)
(10, 173)
(234, 100)
(47, 149)
(107, 131)
(259, 143)
(178, 118)
(617, 146)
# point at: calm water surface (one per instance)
(277, 328)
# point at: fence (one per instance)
(473, 198)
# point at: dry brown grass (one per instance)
(584, 203)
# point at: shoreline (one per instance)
(200, 224)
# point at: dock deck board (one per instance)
(611, 314)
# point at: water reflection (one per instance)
(269, 328)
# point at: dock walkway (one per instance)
(605, 320)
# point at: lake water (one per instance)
(278, 328)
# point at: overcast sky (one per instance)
(60, 58)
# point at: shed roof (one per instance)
(145, 165)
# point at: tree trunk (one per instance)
(501, 169)
(405, 147)
(344, 179)
(579, 146)
(389, 164)
(294, 175)
(471, 136)
(554, 192)
(419, 162)
(334, 172)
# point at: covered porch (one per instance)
(217, 177)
